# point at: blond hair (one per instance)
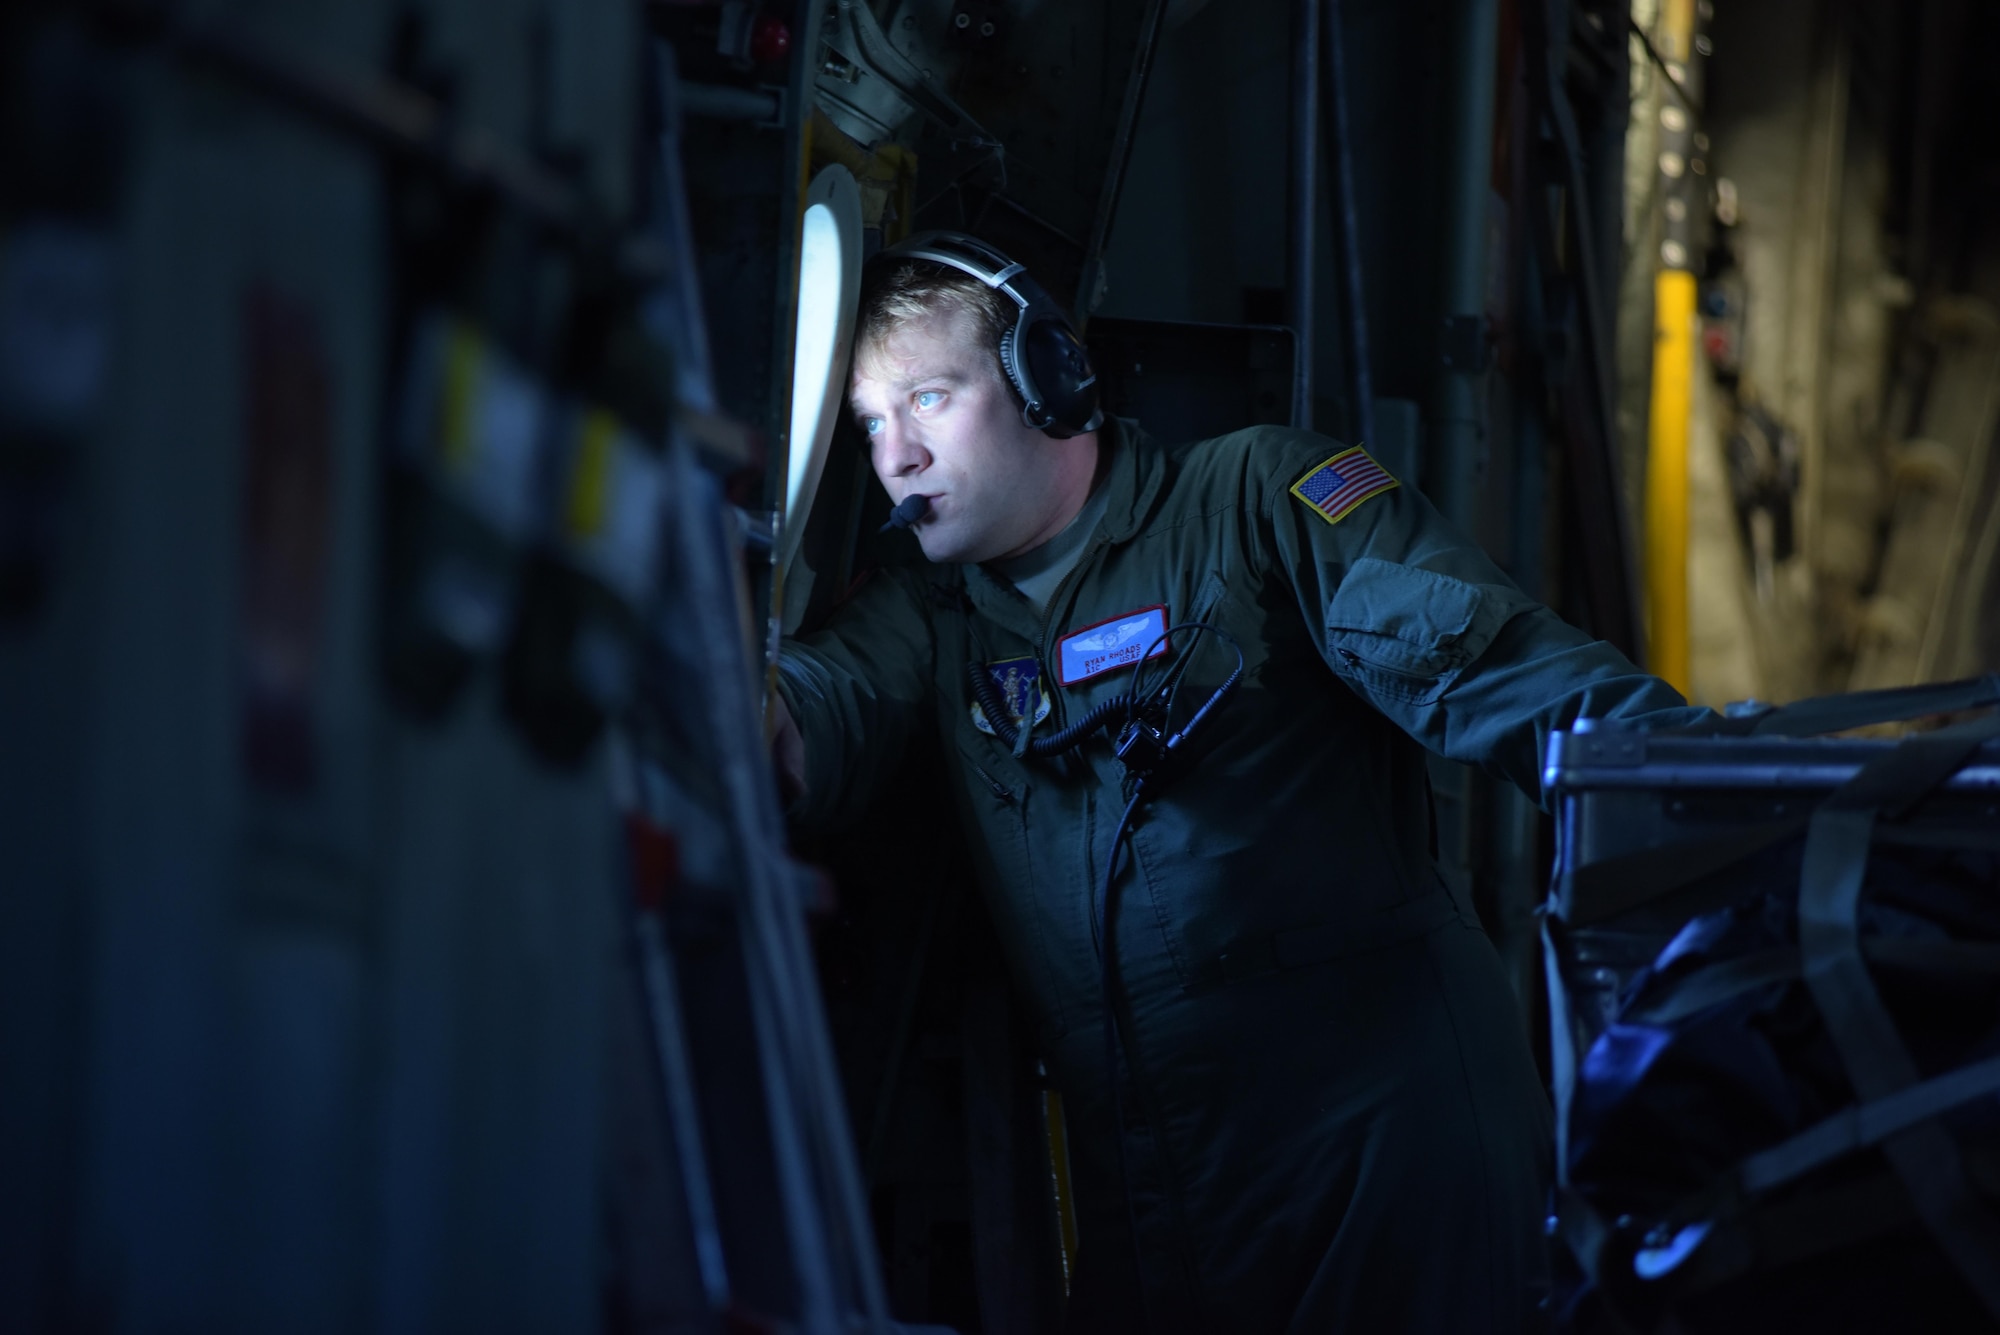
(902, 293)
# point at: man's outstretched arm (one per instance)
(1419, 622)
(850, 698)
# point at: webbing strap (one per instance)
(1877, 1063)
(1866, 1124)
(1713, 984)
(1982, 841)
(1780, 1233)
(1803, 1226)
(1717, 983)
(1834, 713)
(1842, 1215)
(1583, 1228)
(1562, 1047)
(1617, 885)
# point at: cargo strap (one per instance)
(1778, 1233)
(1922, 1153)
(1612, 886)
(1836, 713)
(1562, 1054)
(1866, 1124)
(1727, 979)
(1848, 1130)
(1979, 841)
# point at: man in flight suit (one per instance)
(1331, 1119)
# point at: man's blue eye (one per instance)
(929, 398)
(871, 425)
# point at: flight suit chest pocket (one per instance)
(1203, 656)
(1207, 598)
(1405, 633)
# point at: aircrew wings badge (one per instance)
(1020, 683)
(1335, 487)
(1113, 643)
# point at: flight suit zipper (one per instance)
(1060, 714)
(1055, 599)
(999, 789)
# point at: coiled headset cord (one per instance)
(1132, 706)
(987, 692)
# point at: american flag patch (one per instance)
(1341, 483)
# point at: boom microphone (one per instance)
(913, 508)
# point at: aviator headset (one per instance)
(1043, 358)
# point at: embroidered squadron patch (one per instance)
(1020, 683)
(1335, 487)
(1109, 644)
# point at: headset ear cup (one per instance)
(1044, 361)
(1060, 365)
(1034, 412)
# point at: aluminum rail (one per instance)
(825, 1212)
(1150, 27)
(1302, 206)
(1360, 375)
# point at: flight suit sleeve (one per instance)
(1420, 623)
(858, 690)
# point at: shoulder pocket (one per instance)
(1406, 632)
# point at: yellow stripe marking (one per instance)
(590, 485)
(463, 370)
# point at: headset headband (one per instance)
(968, 255)
(1041, 354)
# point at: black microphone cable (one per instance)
(1144, 746)
(1107, 982)
(987, 692)
(1144, 754)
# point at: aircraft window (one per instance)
(829, 286)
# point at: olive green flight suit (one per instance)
(1333, 1121)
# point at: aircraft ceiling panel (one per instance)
(1017, 137)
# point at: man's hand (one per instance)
(788, 751)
